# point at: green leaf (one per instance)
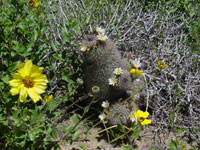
(86, 109)
(153, 148)
(53, 46)
(67, 76)
(54, 133)
(75, 118)
(67, 129)
(181, 130)
(3, 120)
(76, 134)
(77, 30)
(25, 114)
(57, 113)
(5, 79)
(121, 128)
(172, 113)
(65, 36)
(127, 148)
(51, 106)
(82, 147)
(32, 136)
(14, 66)
(174, 145)
(58, 56)
(37, 116)
(35, 35)
(135, 134)
(170, 122)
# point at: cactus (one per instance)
(99, 63)
(119, 113)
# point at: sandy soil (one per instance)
(147, 139)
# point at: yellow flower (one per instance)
(34, 3)
(48, 99)
(28, 80)
(141, 117)
(136, 73)
(162, 64)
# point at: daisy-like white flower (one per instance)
(135, 63)
(48, 98)
(99, 30)
(118, 71)
(102, 116)
(141, 117)
(112, 81)
(132, 117)
(105, 104)
(28, 80)
(102, 37)
(84, 48)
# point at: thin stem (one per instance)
(106, 129)
(94, 97)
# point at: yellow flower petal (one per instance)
(14, 91)
(138, 113)
(145, 114)
(39, 89)
(14, 82)
(40, 78)
(25, 71)
(21, 66)
(33, 95)
(48, 98)
(23, 94)
(136, 72)
(146, 122)
(162, 64)
(36, 4)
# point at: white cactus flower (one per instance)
(136, 63)
(102, 37)
(102, 116)
(84, 48)
(100, 30)
(132, 117)
(105, 104)
(112, 81)
(118, 71)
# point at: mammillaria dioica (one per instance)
(100, 60)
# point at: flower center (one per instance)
(162, 63)
(141, 119)
(28, 82)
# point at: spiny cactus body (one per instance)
(119, 113)
(99, 63)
